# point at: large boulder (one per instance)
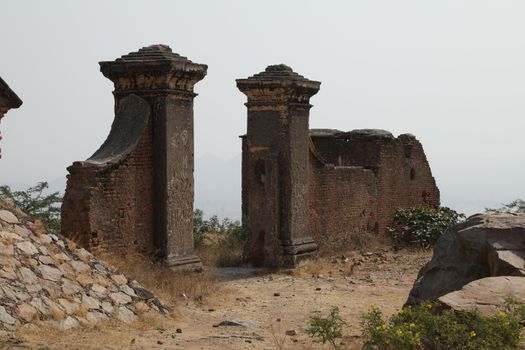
(482, 246)
(487, 295)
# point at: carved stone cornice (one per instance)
(156, 68)
(277, 84)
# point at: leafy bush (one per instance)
(426, 327)
(219, 243)
(34, 203)
(422, 226)
(329, 329)
(225, 228)
(516, 206)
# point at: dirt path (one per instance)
(268, 303)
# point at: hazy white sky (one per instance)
(451, 72)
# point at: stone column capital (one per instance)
(278, 85)
(156, 69)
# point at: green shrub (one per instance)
(219, 242)
(516, 206)
(226, 229)
(428, 327)
(421, 226)
(34, 203)
(327, 329)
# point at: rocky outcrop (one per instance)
(486, 295)
(44, 277)
(485, 245)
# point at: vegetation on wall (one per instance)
(33, 202)
(421, 226)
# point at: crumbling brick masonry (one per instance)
(8, 100)
(135, 194)
(301, 186)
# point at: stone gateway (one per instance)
(302, 186)
(135, 194)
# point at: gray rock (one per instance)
(70, 287)
(107, 307)
(68, 323)
(99, 290)
(8, 217)
(5, 317)
(238, 323)
(10, 236)
(27, 276)
(119, 279)
(26, 312)
(22, 231)
(126, 315)
(120, 298)
(487, 294)
(484, 245)
(506, 262)
(7, 249)
(129, 291)
(47, 260)
(50, 273)
(95, 317)
(80, 266)
(27, 248)
(69, 307)
(90, 303)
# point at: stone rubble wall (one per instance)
(46, 278)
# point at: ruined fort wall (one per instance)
(342, 200)
(376, 175)
(126, 186)
(404, 178)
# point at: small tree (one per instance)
(422, 226)
(516, 206)
(36, 204)
(329, 329)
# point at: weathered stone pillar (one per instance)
(136, 192)
(275, 169)
(8, 100)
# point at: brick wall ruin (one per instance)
(359, 178)
(8, 100)
(302, 186)
(135, 194)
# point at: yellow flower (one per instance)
(429, 306)
(472, 334)
(502, 314)
(372, 306)
(412, 325)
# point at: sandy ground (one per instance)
(269, 303)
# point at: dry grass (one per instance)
(170, 286)
(220, 251)
(329, 246)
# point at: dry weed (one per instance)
(221, 251)
(169, 285)
(277, 335)
(360, 241)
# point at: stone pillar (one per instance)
(166, 80)
(8, 100)
(275, 174)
